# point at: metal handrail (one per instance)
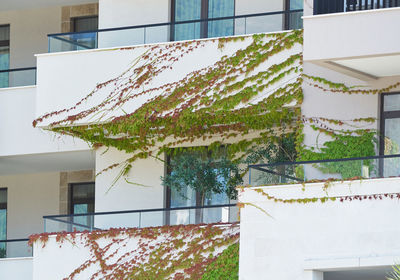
(17, 69)
(322, 161)
(139, 211)
(14, 240)
(178, 22)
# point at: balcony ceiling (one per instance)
(379, 66)
(52, 162)
(365, 274)
(8, 5)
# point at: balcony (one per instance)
(18, 77)
(227, 213)
(356, 43)
(176, 31)
(338, 6)
(333, 219)
(319, 170)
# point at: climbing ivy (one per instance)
(226, 266)
(235, 101)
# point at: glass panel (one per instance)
(22, 78)
(261, 24)
(391, 102)
(82, 220)
(73, 42)
(295, 21)
(4, 54)
(157, 34)
(392, 137)
(187, 10)
(220, 8)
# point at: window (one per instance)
(87, 39)
(188, 197)
(82, 202)
(3, 221)
(293, 20)
(390, 124)
(4, 54)
(82, 24)
(183, 10)
(390, 132)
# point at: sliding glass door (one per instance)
(217, 9)
(185, 10)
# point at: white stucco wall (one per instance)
(350, 34)
(126, 196)
(98, 66)
(338, 106)
(18, 136)
(118, 13)
(71, 255)
(28, 33)
(30, 197)
(16, 269)
(300, 238)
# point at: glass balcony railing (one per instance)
(340, 169)
(15, 248)
(227, 213)
(340, 6)
(177, 31)
(18, 77)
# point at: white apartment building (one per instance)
(71, 56)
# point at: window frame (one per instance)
(5, 43)
(88, 201)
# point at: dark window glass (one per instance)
(85, 24)
(82, 202)
(3, 221)
(4, 54)
(202, 9)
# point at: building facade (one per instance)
(70, 78)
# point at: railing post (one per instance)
(249, 175)
(362, 175)
(140, 219)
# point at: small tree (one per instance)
(206, 175)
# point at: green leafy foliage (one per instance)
(344, 146)
(204, 174)
(225, 267)
(281, 150)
